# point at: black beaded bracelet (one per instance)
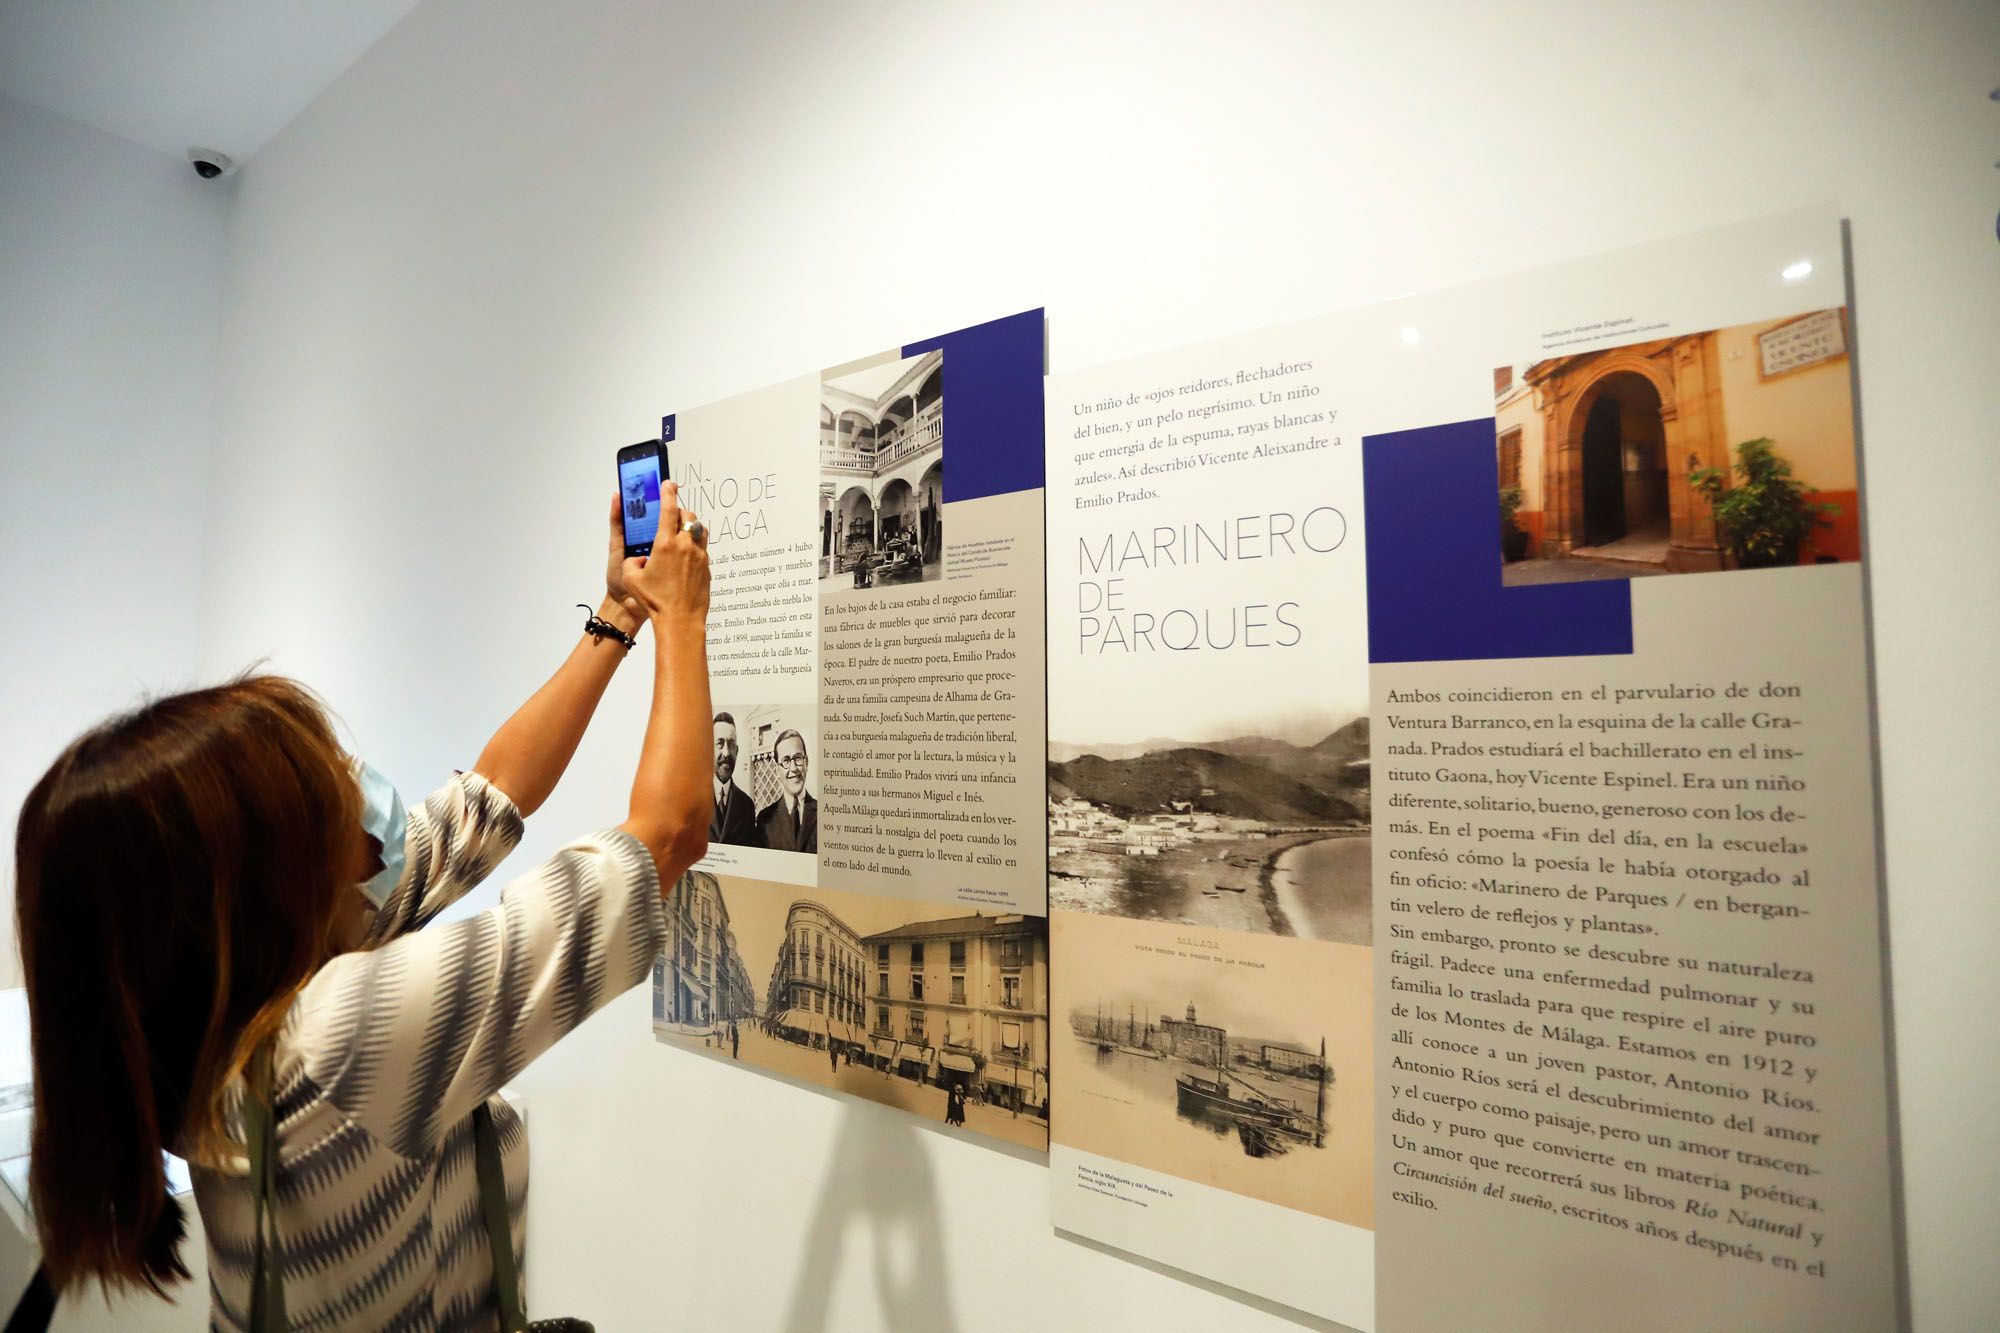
(597, 627)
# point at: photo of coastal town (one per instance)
(925, 1007)
(1244, 1063)
(1248, 832)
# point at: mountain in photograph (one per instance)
(1328, 761)
(1207, 779)
(1061, 752)
(1337, 747)
(1253, 777)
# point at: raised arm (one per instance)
(670, 790)
(411, 1037)
(408, 1038)
(527, 756)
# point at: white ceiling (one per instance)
(174, 74)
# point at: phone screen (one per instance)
(639, 486)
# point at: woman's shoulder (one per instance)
(326, 1032)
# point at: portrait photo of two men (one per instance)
(773, 808)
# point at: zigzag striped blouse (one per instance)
(386, 1053)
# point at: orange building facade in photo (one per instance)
(1601, 443)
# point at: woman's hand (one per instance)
(671, 584)
(615, 590)
(672, 791)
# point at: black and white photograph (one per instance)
(881, 482)
(762, 785)
(1263, 831)
(923, 1007)
(1243, 1062)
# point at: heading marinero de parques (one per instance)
(1106, 623)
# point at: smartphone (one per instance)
(641, 469)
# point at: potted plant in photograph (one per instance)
(1513, 537)
(1763, 518)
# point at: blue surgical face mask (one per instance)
(383, 819)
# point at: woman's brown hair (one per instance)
(178, 873)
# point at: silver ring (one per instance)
(699, 531)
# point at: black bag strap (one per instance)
(267, 1287)
(499, 1230)
(260, 1129)
(37, 1305)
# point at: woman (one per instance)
(196, 897)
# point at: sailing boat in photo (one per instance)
(1266, 1123)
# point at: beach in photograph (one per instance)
(1251, 833)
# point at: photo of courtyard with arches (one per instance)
(1731, 448)
(881, 486)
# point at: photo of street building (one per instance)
(881, 464)
(926, 1008)
(1601, 454)
(699, 981)
(1242, 1062)
(1248, 832)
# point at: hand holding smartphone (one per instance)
(670, 591)
(641, 469)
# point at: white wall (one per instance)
(110, 280)
(515, 233)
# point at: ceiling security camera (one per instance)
(208, 164)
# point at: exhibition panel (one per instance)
(871, 916)
(1579, 969)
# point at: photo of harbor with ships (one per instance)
(1249, 833)
(1244, 1063)
(1246, 1086)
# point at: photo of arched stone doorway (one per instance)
(1610, 441)
(1607, 459)
(1623, 449)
